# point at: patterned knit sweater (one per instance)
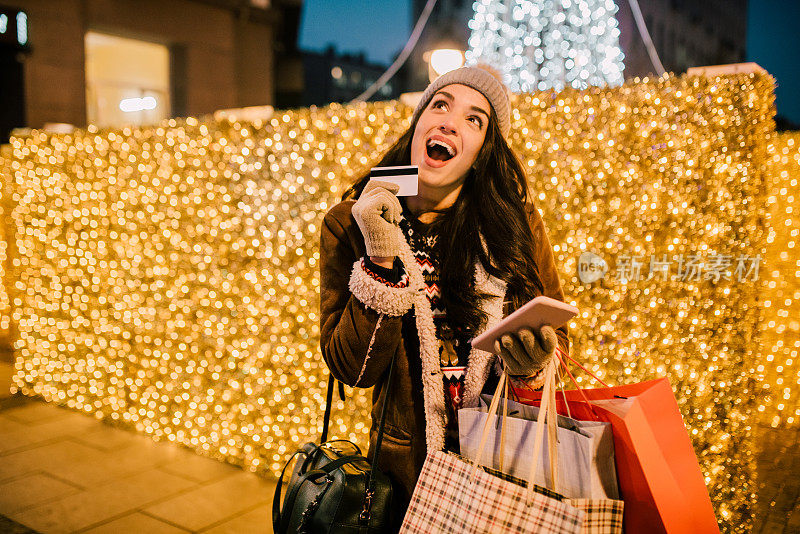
(454, 343)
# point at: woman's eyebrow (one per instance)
(479, 110)
(473, 108)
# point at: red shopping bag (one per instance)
(659, 476)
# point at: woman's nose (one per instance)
(447, 127)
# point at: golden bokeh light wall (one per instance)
(780, 326)
(167, 277)
(6, 246)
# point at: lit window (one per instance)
(127, 81)
(22, 28)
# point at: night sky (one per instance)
(773, 41)
(380, 28)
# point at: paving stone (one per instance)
(103, 503)
(35, 412)
(32, 490)
(10, 425)
(53, 457)
(135, 523)
(8, 526)
(256, 521)
(215, 502)
(200, 469)
(104, 466)
(27, 435)
(108, 438)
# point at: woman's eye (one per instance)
(477, 121)
(439, 103)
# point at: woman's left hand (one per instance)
(526, 352)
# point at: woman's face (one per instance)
(448, 136)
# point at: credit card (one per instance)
(405, 176)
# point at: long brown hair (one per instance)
(492, 203)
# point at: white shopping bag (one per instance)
(585, 460)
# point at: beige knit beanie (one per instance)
(480, 79)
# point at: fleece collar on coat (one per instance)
(479, 361)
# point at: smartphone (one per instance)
(405, 176)
(536, 313)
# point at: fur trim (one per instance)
(480, 361)
(432, 383)
(394, 301)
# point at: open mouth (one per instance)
(439, 150)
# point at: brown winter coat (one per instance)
(364, 322)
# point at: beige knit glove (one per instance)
(377, 212)
(526, 352)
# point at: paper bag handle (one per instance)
(487, 425)
(547, 415)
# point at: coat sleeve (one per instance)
(360, 315)
(545, 262)
(547, 269)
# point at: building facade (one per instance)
(139, 61)
(685, 34)
(333, 77)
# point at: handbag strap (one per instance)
(378, 440)
(328, 404)
(369, 490)
(276, 501)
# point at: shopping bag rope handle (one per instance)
(588, 372)
(560, 381)
(580, 389)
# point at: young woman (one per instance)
(421, 276)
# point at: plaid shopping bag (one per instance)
(602, 516)
(452, 496)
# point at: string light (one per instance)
(544, 44)
(6, 235)
(777, 369)
(167, 277)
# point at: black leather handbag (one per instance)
(333, 488)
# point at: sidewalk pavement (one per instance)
(61, 471)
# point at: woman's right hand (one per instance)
(377, 213)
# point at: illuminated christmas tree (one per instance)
(543, 44)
